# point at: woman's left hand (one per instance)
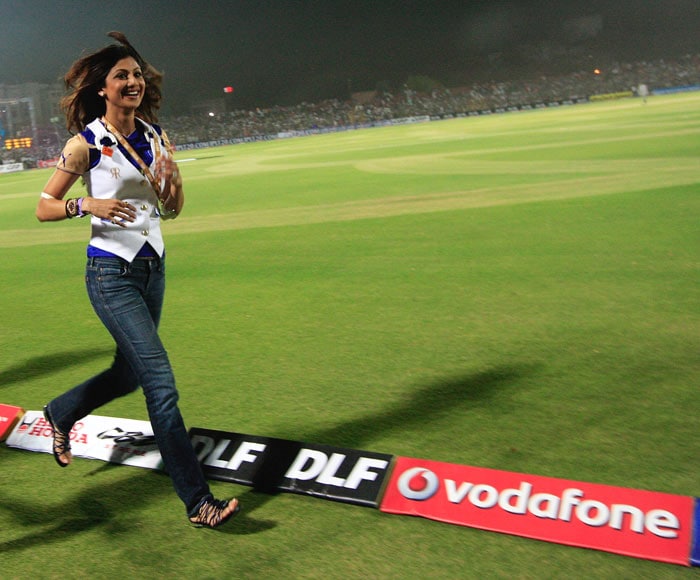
(168, 174)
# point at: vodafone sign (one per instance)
(632, 522)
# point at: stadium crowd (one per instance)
(381, 107)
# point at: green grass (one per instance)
(517, 292)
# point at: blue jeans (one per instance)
(128, 298)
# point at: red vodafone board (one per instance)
(9, 415)
(643, 524)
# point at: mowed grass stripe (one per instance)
(266, 161)
(491, 148)
(638, 176)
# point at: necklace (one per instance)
(135, 156)
(163, 212)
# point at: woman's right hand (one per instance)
(117, 211)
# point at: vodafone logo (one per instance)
(570, 505)
(418, 484)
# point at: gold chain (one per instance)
(135, 156)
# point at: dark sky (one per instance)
(286, 51)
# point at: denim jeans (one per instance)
(128, 298)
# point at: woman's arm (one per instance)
(74, 162)
(51, 206)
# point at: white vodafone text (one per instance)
(568, 505)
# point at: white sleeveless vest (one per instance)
(114, 177)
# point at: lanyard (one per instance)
(135, 156)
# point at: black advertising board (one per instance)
(274, 465)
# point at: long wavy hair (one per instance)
(82, 104)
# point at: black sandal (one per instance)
(214, 512)
(61, 440)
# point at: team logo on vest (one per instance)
(115, 172)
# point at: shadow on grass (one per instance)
(105, 507)
(92, 507)
(424, 405)
(419, 408)
(48, 364)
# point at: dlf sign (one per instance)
(272, 464)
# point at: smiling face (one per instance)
(124, 85)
